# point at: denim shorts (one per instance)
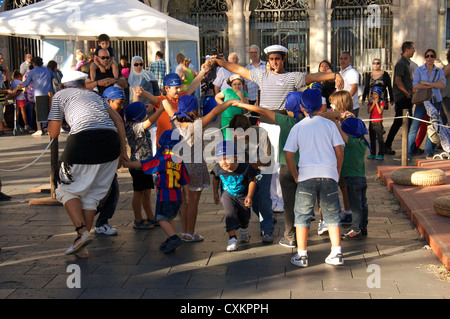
(167, 210)
(308, 192)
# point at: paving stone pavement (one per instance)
(393, 262)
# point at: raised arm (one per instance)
(153, 118)
(325, 76)
(253, 108)
(215, 112)
(232, 67)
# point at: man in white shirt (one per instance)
(351, 79)
(256, 63)
(220, 83)
(180, 58)
(24, 67)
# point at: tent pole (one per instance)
(167, 49)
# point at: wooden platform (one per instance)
(418, 202)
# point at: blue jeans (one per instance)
(262, 203)
(419, 113)
(356, 190)
(324, 189)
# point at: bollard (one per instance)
(405, 139)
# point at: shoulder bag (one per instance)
(423, 95)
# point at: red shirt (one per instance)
(375, 115)
(163, 123)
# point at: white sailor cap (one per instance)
(275, 49)
(73, 76)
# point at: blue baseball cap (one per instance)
(172, 79)
(225, 148)
(378, 90)
(114, 93)
(186, 103)
(311, 100)
(293, 101)
(135, 112)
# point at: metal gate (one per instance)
(283, 22)
(363, 28)
(210, 16)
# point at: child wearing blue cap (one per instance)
(376, 129)
(288, 184)
(171, 178)
(237, 183)
(321, 154)
(354, 172)
(139, 141)
(191, 127)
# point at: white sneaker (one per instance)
(300, 261)
(244, 236)
(322, 228)
(106, 229)
(232, 244)
(37, 133)
(335, 259)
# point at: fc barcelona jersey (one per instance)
(171, 175)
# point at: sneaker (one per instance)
(389, 151)
(346, 218)
(288, 243)
(379, 158)
(322, 228)
(4, 197)
(429, 157)
(28, 128)
(352, 234)
(300, 261)
(335, 260)
(37, 133)
(244, 236)
(232, 244)
(172, 244)
(106, 229)
(267, 238)
(371, 157)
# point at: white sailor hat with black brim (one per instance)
(73, 76)
(273, 49)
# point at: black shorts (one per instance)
(141, 181)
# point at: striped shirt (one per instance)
(276, 87)
(82, 109)
(171, 175)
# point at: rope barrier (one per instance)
(26, 166)
(220, 129)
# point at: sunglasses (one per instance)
(139, 64)
(430, 56)
(376, 63)
(104, 57)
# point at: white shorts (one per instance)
(89, 183)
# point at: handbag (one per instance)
(432, 133)
(423, 95)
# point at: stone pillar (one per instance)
(246, 58)
(318, 29)
(238, 26)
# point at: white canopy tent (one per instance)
(86, 19)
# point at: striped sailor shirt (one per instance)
(276, 87)
(82, 109)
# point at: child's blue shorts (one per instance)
(167, 210)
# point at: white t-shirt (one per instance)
(315, 139)
(221, 79)
(351, 76)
